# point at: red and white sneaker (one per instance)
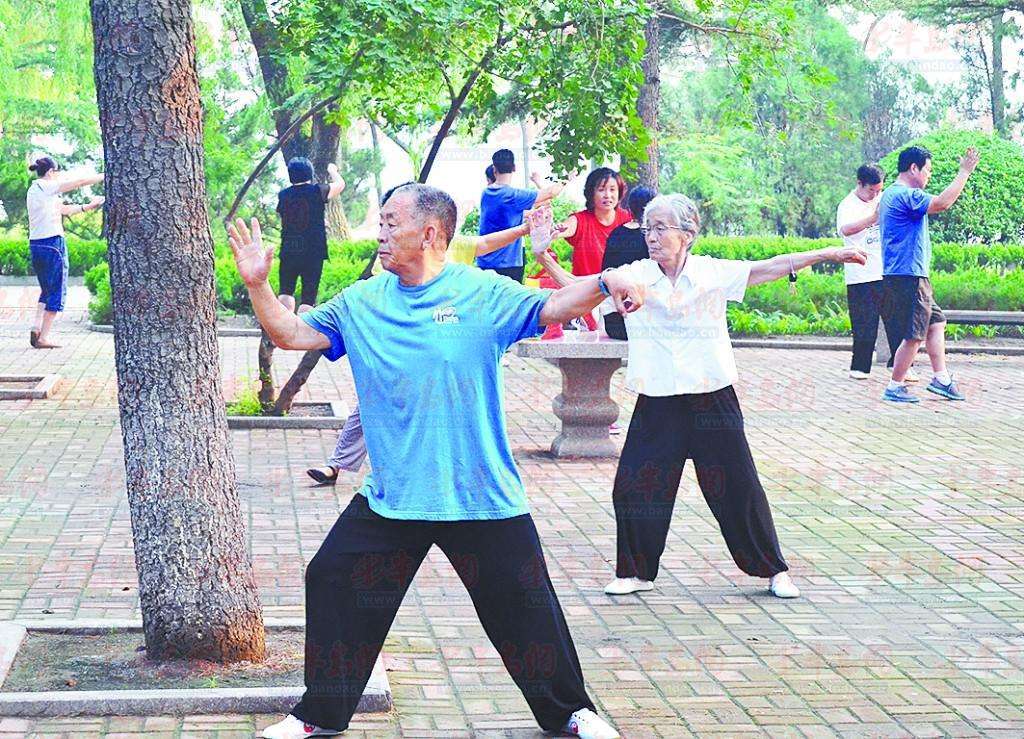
(586, 724)
(293, 728)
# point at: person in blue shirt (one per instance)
(424, 340)
(502, 206)
(906, 260)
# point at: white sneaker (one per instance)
(781, 586)
(627, 585)
(858, 375)
(911, 376)
(588, 725)
(293, 728)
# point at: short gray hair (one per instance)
(430, 202)
(684, 211)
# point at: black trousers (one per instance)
(663, 433)
(356, 582)
(867, 302)
(309, 269)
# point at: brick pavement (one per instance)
(903, 526)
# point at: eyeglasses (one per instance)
(661, 229)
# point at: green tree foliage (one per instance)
(775, 152)
(576, 63)
(991, 208)
(46, 89)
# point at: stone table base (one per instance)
(584, 406)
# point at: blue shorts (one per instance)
(50, 262)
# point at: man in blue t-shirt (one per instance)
(502, 206)
(906, 260)
(424, 340)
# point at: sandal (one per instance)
(33, 337)
(317, 473)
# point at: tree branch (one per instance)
(292, 129)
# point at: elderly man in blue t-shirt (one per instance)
(906, 260)
(424, 340)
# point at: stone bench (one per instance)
(584, 406)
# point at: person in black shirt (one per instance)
(303, 231)
(626, 244)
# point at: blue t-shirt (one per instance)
(903, 224)
(501, 207)
(426, 364)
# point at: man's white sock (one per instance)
(943, 377)
(893, 385)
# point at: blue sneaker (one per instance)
(949, 392)
(900, 395)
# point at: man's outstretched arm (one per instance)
(584, 295)
(285, 329)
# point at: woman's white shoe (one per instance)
(294, 728)
(627, 585)
(586, 724)
(782, 586)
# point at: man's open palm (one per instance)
(252, 259)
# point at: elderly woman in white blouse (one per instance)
(682, 367)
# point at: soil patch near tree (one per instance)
(117, 661)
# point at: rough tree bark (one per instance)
(196, 585)
(998, 94)
(648, 101)
(321, 146)
(324, 146)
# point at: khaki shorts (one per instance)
(911, 306)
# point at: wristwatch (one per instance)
(601, 285)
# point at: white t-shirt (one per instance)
(850, 210)
(44, 203)
(679, 340)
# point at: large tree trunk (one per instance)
(274, 71)
(648, 101)
(524, 135)
(996, 85)
(196, 585)
(374, 137)
(324, 148)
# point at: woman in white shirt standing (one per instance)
(857, 224)
(682, 367)
(46, 240)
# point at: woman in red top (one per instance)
(587, 230)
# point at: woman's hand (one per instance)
(252, 259)
(850, 255)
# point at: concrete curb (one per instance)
(336, 421)
(11, 637)
(106, 328)
(50, 704)
(845, 346)
(44, 386)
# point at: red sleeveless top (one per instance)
(590, 238)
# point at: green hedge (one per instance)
(82, 255)
(965, 277)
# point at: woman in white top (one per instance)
(682, 367)
(46, 240)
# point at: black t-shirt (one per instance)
(303, 232)
(625, 245)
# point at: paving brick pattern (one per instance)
(904, 526)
